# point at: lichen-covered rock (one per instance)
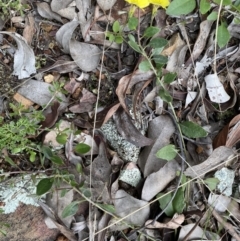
(15, 191)
(130, 174)
(226, 178)
(126, 150)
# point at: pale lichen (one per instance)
(226, 178)
(126, 150)
(132, 176)
(15, 191)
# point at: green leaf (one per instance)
(56, 159)
(109, 208)
(132, 23)
(211, 183)
(116, 27)
(179, 201)
(79, 168)
(82, 148)
(144, 66)
(62, 138)
(85, 192)
(192, 130)
(47, 152)
(10, 161)
(151, 31)
(111, 38)
(158, 43)
(160, 59)
(223, 35)
(212, 16)
(205, 6)
(179, 7)
(71, 209)
(177, 204)
(44, 186)
(118, 39)
(63, 192)
(32, 156)
(168, 152)
(163, 201)
(134, 46)
(157, 51)
(169, 78)
(224, 2)
(165, 95)
(17, 150)
(131, 37)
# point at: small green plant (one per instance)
(3, 226)
(7, 6)
(15, 134)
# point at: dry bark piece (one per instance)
(219, 157)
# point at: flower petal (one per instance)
(162, 3)
(139, 3)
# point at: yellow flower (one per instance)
(139, 3)
(145, 3)
(162, 3)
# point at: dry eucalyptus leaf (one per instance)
(128, 81)
(174, 223)
(40, 93)
(86, 102)
(45, 11)
(64, 34)
(86, 56)
(215, 160)
(205, 28)
(58, 203)
(191, 95)
(196, 234)
(127, 129)
(62, 66)
(55, 219)
(215, 89)
(29, 29)
(24, 58)
(160, 130)
(57, 5)
(106, 4)
(85, 17)
(126, 204)
(68, 13)
(157, 181)
(219, 202)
